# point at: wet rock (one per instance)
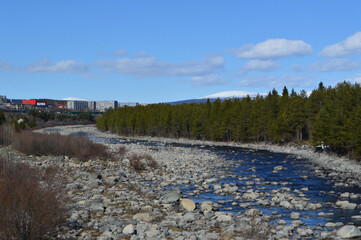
(295, 215)
(346, 205)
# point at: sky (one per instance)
(161, 51)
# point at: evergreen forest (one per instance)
(329, 116)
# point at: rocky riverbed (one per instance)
(110, 200)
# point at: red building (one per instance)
(29, 102)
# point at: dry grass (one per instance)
(55, 144)
(32, 207)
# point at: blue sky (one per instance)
(159, 51)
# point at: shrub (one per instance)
(122, 150)
(142, 161)
(6, 134)
(2, 117)
(55, 144)
(31, 208)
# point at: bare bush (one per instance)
(31, 208)
(142, 161)
(6, 134)
(256, 230)
(122, 150)
(55, 144)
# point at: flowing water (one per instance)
(257, 166)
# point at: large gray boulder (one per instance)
(172, 197)
(348, 231)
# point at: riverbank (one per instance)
(325, 160)
(112, 200)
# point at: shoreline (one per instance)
(151, 201)
(324, 160)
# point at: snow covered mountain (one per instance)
(232, 94)
(75, 99)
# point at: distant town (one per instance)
(60, 105)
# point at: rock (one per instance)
(285, 204)
(189, 217)
(345, 195)
(330, 225)
(348, 231)
(217, 186)
(129, 229)
(224, 218)
(172, 196)
(188, 204)
(206, 206)
(357, 217)
(346, 205)
(142, 216)
(253, 212)
(279, 168)
(250, 195)
(295, 216)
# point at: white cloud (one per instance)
(149, 66)
(7, 67)
(274, 48)
(355, 79)
(291, 81)
(141, 54)
(349, 46)
(337, 64)
(68, 66)
(260, 65)
(208, 80)
(119, 52)
(298, 68)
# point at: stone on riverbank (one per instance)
(188, 204)
(348, 231)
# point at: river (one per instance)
(255, 170)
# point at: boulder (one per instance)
(348, 231)
(295, 216)
(346, 205)
(206, 206)
(188, 204)
(224, 218)
(129, 229)
(172, 196)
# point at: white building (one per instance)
(81, 105)
(128, 104)
(104, 105)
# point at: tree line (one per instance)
(329, 116)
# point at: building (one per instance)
(77, 105)
(104, 105)
(81, 105)
(29, 102)
(3, 99)
(128, 104)
(91, 105)
(41, 103)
